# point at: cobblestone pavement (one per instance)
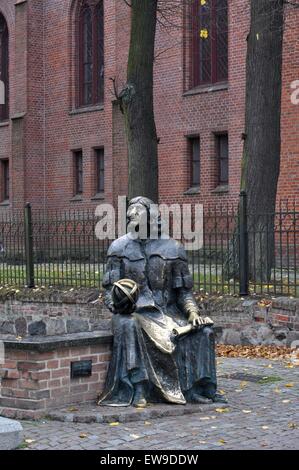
(262, 413)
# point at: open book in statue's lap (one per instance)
(149, 289)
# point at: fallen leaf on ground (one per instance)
(82, 435)
(277, 390)
(265, 303)
(73, 408)
(222, 410)
(289, 385)
(116, 423)
(292, 425)
(147, 423)
(222, 441)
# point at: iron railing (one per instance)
(240, 252)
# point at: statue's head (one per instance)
(143, 215)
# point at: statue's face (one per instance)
(142, 222)
(137, 214)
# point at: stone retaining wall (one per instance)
(255, 321)
(43, 312)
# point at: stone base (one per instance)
(11, 434)
(91, 413)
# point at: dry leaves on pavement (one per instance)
(265, 352)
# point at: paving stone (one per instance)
(238, 429)
(11, 433)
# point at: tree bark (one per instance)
(137, 102)
(262, 145)
(261, 157)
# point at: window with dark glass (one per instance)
(194, 145)
(91, 53)
(78, 172)
(222, 158)
(4, 85)
(5, 179)
(210, 42)
(100, 171)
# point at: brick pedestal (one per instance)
(36, 374)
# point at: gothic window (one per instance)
(100, 170)
(91, 53)
(210, 42)
(78, 172)
(5, 180)
(194, 145)
(222, 158)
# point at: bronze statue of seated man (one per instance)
(163, 349)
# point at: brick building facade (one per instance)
(65, 144)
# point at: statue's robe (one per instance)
(144, 349)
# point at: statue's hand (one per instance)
(197, 320)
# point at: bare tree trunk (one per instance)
(261, 157)
(137, 102)
(261, 154)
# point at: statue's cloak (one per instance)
(144, 348)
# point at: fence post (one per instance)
(243, 234)
(29, 246)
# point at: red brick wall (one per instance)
(289, 172)
(34, 382)
(41, 159)
(7, 9)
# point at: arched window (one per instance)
(3, 69)
(91, 53)
(210, 42)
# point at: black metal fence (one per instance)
(239, 252)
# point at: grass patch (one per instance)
(74, 273)
(23, 445)
(269, 380)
